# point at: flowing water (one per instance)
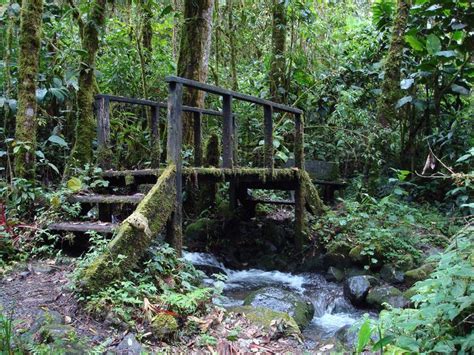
(332, 310)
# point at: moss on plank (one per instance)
(134, 235)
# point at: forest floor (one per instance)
(42, 287)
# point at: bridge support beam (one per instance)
(174, 145)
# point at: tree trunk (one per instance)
(391, 93)
(277, 64)
(26, 122)
(232, 44)
(195, 47)
(86, 124)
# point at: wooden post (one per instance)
(155, 136)
(174, 143)
(236, 140)
(197, 118)
(103, 132)
(299, 192)
(268, 136)
(227, 132)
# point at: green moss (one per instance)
(164, 326)
(134, 235)
(264, 318)
(26, 121)
(313, 202)
(418, 274)
(213, 152)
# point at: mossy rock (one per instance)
(405, 262)
(201, 230)
(164, 326)
(264, 316)
(418, 274)
(334, 274)
(280, 300)
(357, 256)
(408, 294)
(379, 295)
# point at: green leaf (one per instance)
(414, 42)
(407, 343)
(403, 101)
(433, 44)
(364, 336)
(446, 54)
(57, 140)
(383, 342)
(406, 83)
(74, 184)
(459, 89)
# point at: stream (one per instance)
(332, 310)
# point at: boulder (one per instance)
(129, 346)
(356, 288)
(418, 274)
(347, 337)
(280, 300)
(391, 275)
(334, 274)
(164, 326)
(379, 295)
(266, 317)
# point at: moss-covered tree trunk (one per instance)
(86, 124)
(391, 92)
(28, 63)
(194, 51)
(278, 63)
(133, 237)
(232, 44)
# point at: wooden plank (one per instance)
(299, 142)
(238, 96)
(236, 140)
(174, 146)
(197, 118)
(107, 199)
(82, 227)
(227, 132)
(274, 202)
(268, 136)
(155, 137)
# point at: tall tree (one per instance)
(391, 93)
(232, 44)
(194, 51)
(26, 118)
(277, 63)
(86, 125)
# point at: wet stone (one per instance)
(334, 274)
(356, 288)
(129, 346)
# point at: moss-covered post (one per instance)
(86, 125)
(26, 122)
(208, 190)
(278, 62)
(174, 144)
(300, 191)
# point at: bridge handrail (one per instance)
(236, 95)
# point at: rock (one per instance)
(51, 333)
(43, 318)
(338, 254)
(355, 271)
(356, 288)
(405, 262)
(265, 318)
(113, 320)
(281, 300)
(129, 346)
(24, 274)
(408, 294)
(386, 294)
(312, 264)
(418, 274)
(198, 233)
(391, 275)
(334, 274)
(42, 268)
(347, 336)
(210, 270)
(357, 256)
(164, 326)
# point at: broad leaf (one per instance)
(459, 89)
(403, 101)
(364, 336)
(414, 42)
(406, 83)
(74, 184)
(433, 44)
(57, 140)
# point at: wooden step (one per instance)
(108, 199)
(99, 227)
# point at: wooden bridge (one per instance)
(240, 179)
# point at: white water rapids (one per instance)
(332, 310)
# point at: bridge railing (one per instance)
(229, 155)
(102, 105)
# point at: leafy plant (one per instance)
(441, 319)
